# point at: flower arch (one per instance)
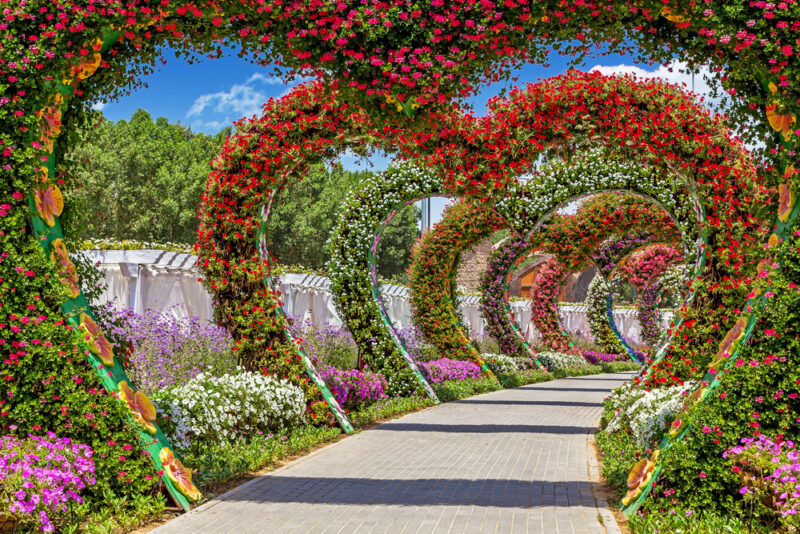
(655, 259)
(59, 55)
(572, 240)
(434, 264)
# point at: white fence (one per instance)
(169, 281)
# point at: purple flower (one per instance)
(444, 369)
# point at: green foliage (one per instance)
(522, 378)
(302, 221)
(218, 462)
(460, 389)
(118, 514)
(139, 179)
(48, 386)
(680, 520)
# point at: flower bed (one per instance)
(41, 477)
(353, 387)
(445, 369)
(163, 350)
(596, 358)
(501, 364)
(561, 361)
(227, 408)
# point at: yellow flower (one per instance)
(671, 16)
(69, 275)
(780, 122)
(99, 345)
(180, 475)
(787, 196)
(141, 407)
(49, 203)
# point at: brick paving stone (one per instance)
(511, 461)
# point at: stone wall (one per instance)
(473, 265)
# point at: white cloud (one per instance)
(98, 106)
(241, 100)
(675, 73)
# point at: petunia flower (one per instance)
(141, 407)
(49, 203)
(180, 475)
(100, 345)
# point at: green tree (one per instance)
(303, 220)
(141, 179)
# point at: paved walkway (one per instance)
(512, 461)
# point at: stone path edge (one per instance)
(609, 522)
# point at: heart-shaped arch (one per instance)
(55, 34)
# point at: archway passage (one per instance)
(71, 31)
(574, 241)
(515, 460)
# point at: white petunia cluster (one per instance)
(597, 316)
(228, 407)
(500, 363)
(560, 182)
(647, 413)
(560, 360)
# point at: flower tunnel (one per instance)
(85, 52)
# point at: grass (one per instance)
(679, 521)
(221, 462)
(460, 389)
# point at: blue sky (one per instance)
(209, 95)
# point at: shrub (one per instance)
(560, 361)
(444, 369)
(39, 477)
(460, 389)
(166, 350)
(229, 407)
(500, 364)
(353, 387)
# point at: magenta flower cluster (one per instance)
(445, 369)
(768, 454)
(39, 476)
(596, 358)
(353, 387)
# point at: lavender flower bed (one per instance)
(167, 350)
(40, 476)
(419, 349)
(444, 369)
(353, 387)
(329, 345)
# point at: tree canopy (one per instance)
(142, 179)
